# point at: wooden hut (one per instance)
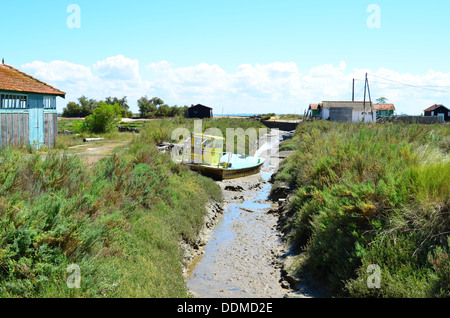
(314, 110)
(348, 111)
(438, 111)
(199, 111)
(384, 110)
(27, 109)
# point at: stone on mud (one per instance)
(280, 191)
(236, 188)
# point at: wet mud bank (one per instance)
(241, 256)
(301, 281)
(241, 252)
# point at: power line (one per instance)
(385, 83)
(357, 96)
(409, 85)
(386, 79)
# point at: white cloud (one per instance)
(115, 76)
(274, 79)
(260, 88)
(327, 82)
(248, 90)
(159, 66)
(411, 93)
(118, 68)
(58, 71)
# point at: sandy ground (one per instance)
(91, 152)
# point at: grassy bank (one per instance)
(371, 194)
(120, 221)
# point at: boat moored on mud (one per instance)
(204, 153)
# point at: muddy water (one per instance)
(240, 259)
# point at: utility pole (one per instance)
(353, 91)
(370, 98)
(366, 87)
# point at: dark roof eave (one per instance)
(200, 105)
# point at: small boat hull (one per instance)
(203, 153)
(222, 173)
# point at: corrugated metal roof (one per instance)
(14, 80)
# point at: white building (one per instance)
(343, 111)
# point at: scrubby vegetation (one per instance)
(264, 116)
(161, 130)
(289, 117)
(120, 222)
(148, 107)
(105, 119)
(156, 108)
(86, 107)
(371, 194)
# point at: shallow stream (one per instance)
(239, 260)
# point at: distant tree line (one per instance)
(155, 107)
(148, 107)
(86, 107)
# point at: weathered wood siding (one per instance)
(35, 125)
(50, 129)
(14, 128)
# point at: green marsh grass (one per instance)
(372, 194)
(120, 221)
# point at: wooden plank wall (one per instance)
(50, 129)
(14, 128)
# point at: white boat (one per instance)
(205, 154)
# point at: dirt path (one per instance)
(90, 153)
(240, 260)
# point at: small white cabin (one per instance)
(347, 111)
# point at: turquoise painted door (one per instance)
(36, 120)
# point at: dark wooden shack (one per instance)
(438, 110)
(199, 111)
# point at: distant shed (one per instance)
(315, 109)
(438, 110)
(199, 111)
(384, 110)
(27, 109)
(348, 111)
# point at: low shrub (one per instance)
(105, 119)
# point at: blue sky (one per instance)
(236, 56)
